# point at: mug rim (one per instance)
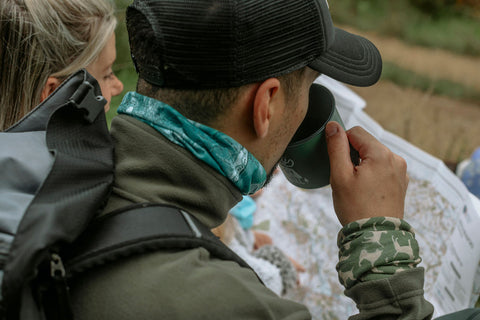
(322, 128)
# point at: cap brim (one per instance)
(350, 59)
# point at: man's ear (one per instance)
(262, 105)
(50, 86)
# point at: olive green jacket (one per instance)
(191, 284)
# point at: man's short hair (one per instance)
(206, 105)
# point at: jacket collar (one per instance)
(213, 147)
(149, 168)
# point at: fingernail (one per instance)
(331, 129)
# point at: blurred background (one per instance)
(429, 92)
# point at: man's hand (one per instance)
(376, 187)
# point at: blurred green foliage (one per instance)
(436, 7)
(443, 24)
(431, 23)
(410, 79)
(442, 7)
(123, 67)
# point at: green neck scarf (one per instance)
(211, 146)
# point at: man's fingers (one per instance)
(366, 144)
(376, 187)
(338, 150)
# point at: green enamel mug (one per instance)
(305, 162)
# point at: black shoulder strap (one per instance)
(139, 229)
(76, 134)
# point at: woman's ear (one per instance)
(50, 86)
(263, 105)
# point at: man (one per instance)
(223, 86)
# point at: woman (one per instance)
(44, 42)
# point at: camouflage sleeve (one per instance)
(375, 248)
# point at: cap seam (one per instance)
(318, 11)
(236, 66)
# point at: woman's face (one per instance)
(101, 69)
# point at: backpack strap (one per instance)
(133, 230)
(139, 229)
(73, 132)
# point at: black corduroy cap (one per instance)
(228, 43)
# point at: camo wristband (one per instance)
(375, 248)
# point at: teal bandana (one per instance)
(216, 149)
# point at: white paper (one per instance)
(445, 215)
(454, 288)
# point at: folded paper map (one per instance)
(445, 216)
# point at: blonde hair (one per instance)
(43, 38)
